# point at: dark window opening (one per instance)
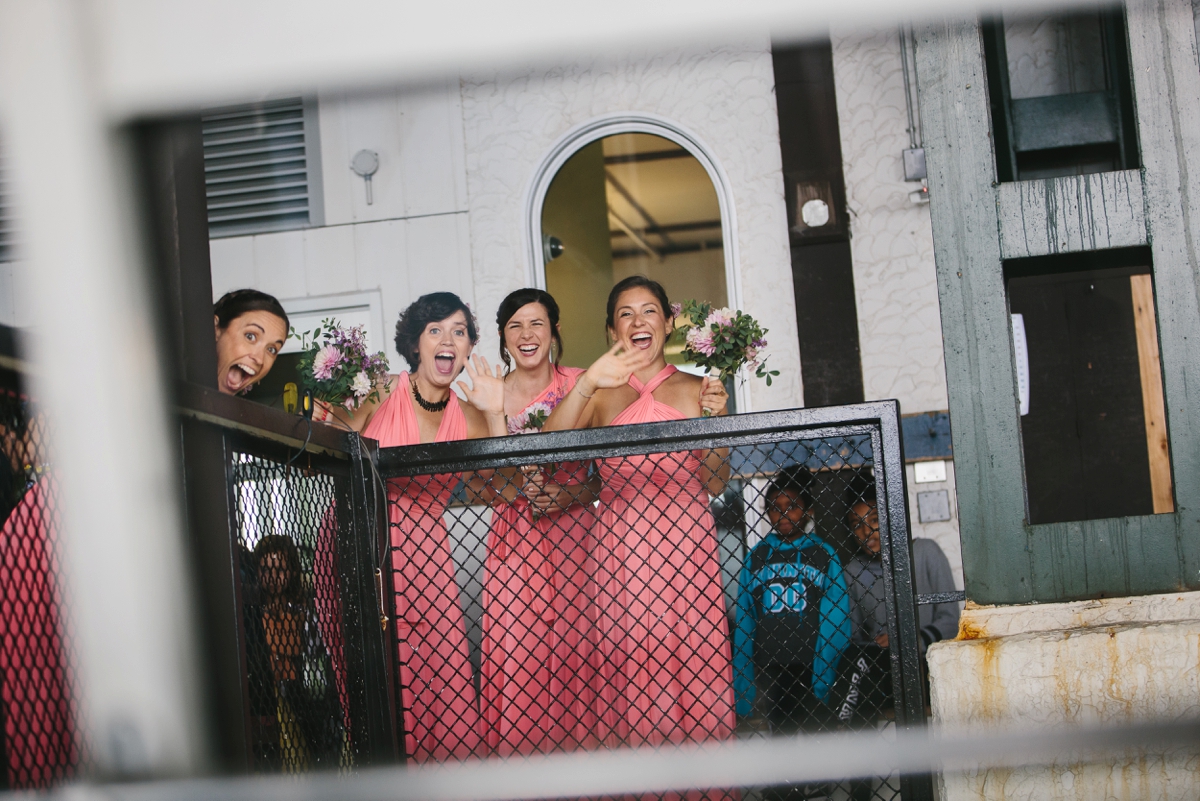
(1061, 94)
(1093, 425)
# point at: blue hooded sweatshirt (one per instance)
(793, 609)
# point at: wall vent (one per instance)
(256, 168)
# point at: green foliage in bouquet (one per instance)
(723, 340)
(336, 368)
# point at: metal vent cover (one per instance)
(8, 225)
(256, 167)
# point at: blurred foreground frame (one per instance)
(65, 101)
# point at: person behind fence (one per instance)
(436, 335)
(42, 746)
(864, 575)
(251, 327)
(536, 687)
(661, 632)
(793, 613)
(308, 712)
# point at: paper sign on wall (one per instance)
(1021, 359)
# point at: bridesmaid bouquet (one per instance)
(531, 420)
(723, 341)
(336, 368)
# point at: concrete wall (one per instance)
(1113, 661)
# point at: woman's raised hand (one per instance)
(614, 367)
(713, 397)
(486, 392)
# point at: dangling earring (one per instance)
(553, 352)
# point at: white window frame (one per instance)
(588, 132)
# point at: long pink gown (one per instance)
(40, 739)
(663, 653)
(441, 712)
(536, 691)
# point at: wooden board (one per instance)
(1158, 445)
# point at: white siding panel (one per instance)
(439, 257)
(335, 164)
(329, 260)
(373, 123)
(378, 250)
(279, 264)
(232, 262)
(430, 140)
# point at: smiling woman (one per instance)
(251, 327)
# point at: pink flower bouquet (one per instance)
(722, 341)
(336, 368)
(531, 420)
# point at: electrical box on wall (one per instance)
(914, 164)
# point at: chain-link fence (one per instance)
(651, 585)
(306, 547)
(43, 743)
(287, 527)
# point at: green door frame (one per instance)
(977, 223)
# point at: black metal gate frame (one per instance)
(879, 420)
(214, 428)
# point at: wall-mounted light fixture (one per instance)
(552, 248)
(366, 163)
(814, 207)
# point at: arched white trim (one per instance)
(621, 123)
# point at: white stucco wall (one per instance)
(891, 247)
(725, 96)
(945, 532)
(899, 325)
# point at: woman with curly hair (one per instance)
(436, 335)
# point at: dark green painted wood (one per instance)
(979, 365)
(1005, 560)
(1167, 96)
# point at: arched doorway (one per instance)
(624, 195)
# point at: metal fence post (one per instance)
(895, 533)
(373, 710)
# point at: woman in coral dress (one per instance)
(536, 678)
(662, 633)
(436, 335)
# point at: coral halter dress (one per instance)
(663, 653)
(536, 689)
(437, 692)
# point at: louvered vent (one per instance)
(8, 227)
(256, 168)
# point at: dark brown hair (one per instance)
(233, 305)
(431, 308)
(633, 282)
(278, 543)
(794, 479)
(519, 300)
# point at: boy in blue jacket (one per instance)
(793, 615)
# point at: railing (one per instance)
(642, 613)
(287, 525)
(448, 618)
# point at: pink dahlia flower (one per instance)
(701, 341)
(722, 318)
(326, 359)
